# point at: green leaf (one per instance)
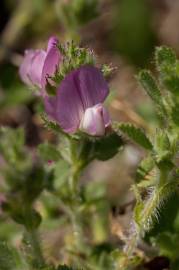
(164, 56)
(11, 143)
(49, 152)
(168, 67)
(144, 168)
(136, 134)
(162, 146)
(7, 258)
(61, 174)
(150, 86)
(167, 218)
(34, 184)
(15, 96)
(168, 244)
(30, 218)
(94, 191)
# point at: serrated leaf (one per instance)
(162, 146)
(144, 168)
(164, 56)
(172, 83)
(150, 86)
(136, 134)
(168, 67)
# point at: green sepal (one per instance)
(108, 146)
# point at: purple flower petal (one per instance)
(31, 67)
(81, 89)
(25, 67)
(92, 86)
(52, 61)
(53, 41)
(37, 66)
(66, 108)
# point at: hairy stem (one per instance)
(77, 167)
(158, 195)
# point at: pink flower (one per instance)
(78, 102)
(39, 65)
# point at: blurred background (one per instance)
(122, 33)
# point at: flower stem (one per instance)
(77, 223)
(34, 251)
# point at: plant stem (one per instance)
(33, 248)
(77, 223)
(150, 210)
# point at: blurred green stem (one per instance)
(77, 167)
(35, 249)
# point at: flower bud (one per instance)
(31, 67)
(95, 121)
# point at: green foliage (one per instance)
(107, 147)
(144, 168)
(162, 146)
(146, 212)
(11, 144)
(175, 115)
(49, 152)
(157, 175)
(164, 56)
(168, 66)
(77, 13)
(132, 34)
(7, 258)
(89, 148)
(165, 232)
(15, 94)
(30, 183)
(150, 86)
(135, 133)
(65, 267)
